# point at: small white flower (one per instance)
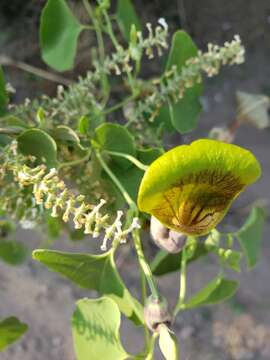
(163, 23)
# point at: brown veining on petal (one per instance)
(198, 202)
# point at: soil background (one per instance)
(238, 329)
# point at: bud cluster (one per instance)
(82, 96)
(51, 192)
(174, 83)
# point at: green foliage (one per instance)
(184, 114)
(59, 32)
(65, 134)
(11, 329)
(165, 263)
(95, 328)
(114, 137)
(230, 258)
(126, 16)
(38, 143)
(250, 236)
(86, 172)
(217, 290)
(96, 272)
(12, 252)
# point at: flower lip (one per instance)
(191, 187)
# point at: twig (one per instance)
(7, 61)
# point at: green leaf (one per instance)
(12, 252)
(184, 114)
(14, 121)
(164, 118)
(6, 228)
(147, 156)
(216, 291)
(3, 94)
(168, 343)
(250, 236)
(95, 272)
(126, 16)
(95, 328)
(53, 226)
(230, 258)
(131, 179)
(38, 143)
(114, 137)
(11, 329)
(59, 32)
(165, 263)
(83, 125)
(65, 133)
(4, 140)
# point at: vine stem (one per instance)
(130, 158)
(144, 264)
(123, 191)
(183, 280)
(143, 298)
(100, 42)
(120, 104)
(110, 29)
(117, 46)
(151, 348)
(7, 61)
(75, 162)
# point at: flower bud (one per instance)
(166, 239)
(156, 313)
(221, 133)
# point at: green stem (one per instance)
(101, 48)
(143, 297)
(183, 280)
(144, 264)
(150, 355)
(110, 29)
(117, 45)
(130, 158)
(123, 191)
(75, 162)
(120, 104)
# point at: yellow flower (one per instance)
(191, 187)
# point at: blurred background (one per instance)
(236, 330)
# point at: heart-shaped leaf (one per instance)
(12, 252)
(165, 262)
(95, 328)
(126, 16)
(38, 143)
(117, 138)
(59, 32)
(11, 329)
(95, 272)
(250, 236)
(184, 114)
(217, 290)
